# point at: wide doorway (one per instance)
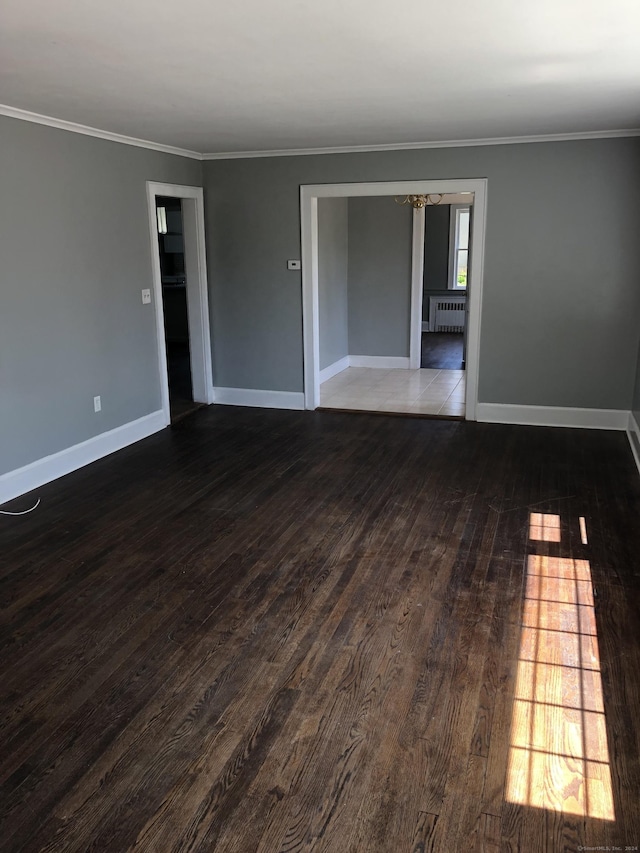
(405, 339)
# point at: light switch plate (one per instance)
(293, 265)
(146, 297)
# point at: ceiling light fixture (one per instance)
(420, 201)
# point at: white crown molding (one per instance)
(555, 416)
(72, 127)
(36, 474)
(413, 146)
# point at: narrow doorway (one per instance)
(446, 264)
(171, 250)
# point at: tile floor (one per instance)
(426, 392)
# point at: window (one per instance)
(161, 214)
(459, 242)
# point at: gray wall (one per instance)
(561, 303)
(332, 279)
(75, 254)
(379, 277)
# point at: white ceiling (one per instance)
(251, 75)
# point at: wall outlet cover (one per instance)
(293, 265)
(146, 297)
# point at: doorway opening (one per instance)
(176, 222)
(174, 306)
(447, 247)
(381, 367)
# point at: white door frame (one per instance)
(309, 195)
(417, 287)
(197, 290)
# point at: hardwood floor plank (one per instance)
(489, 836)
(423, 836)
(282, 631)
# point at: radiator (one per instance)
(447, 313)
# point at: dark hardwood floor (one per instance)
(442, 350)
(287, 631)
(180, 385)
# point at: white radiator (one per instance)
(447, 313)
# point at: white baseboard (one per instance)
(501, 413)
(335, 368)
(259, 398)
(425, 326)
(36, 474)
(384, 361)
(633, 434)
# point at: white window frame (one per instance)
(454, 229)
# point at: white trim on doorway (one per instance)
(417, 287)
(197, 290)
(309, 195)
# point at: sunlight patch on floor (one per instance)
(559, 757)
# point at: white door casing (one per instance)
(197, 290)
(417, 287)
(309, 195)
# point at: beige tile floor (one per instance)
(372, 389)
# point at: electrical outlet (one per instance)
(293, 265)
(146, 296)
(97, 404)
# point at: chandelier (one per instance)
(421, 200)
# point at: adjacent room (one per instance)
(369, 317)
(320, 427)
(174, 305)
